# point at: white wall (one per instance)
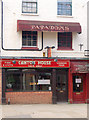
(47, 11)
(88, 26)
(0, 28)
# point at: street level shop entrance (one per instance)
(79, 88)
(62, 85)
(35, 81)
(44, 81)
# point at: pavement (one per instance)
(61, 110)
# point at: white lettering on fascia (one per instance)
(25, 62)
(44, 62)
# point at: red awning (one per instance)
(27, 25)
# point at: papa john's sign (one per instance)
(37, 63)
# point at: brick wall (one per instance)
(29, 97)
(0, 85)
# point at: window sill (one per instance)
(29, 14)
(65, 49)
(30, 48)
(38, 91)
(64, 16)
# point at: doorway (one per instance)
(79, 88)
(62, 86)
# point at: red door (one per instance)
(79, 88)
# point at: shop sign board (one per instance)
(49, 28)
(78, 80)
(80, 67)
(33, 63)
(43, 81)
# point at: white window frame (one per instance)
(64, 15)
(30, 13)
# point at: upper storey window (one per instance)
(65, 41)
(29, 38)
(64, 7)
(29, 6)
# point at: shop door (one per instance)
(61, 87)
(79, 86)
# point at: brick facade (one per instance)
(29, 97)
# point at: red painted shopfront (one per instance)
(45, 81)
(79, 81)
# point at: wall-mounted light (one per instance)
(81, 45)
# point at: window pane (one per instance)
(77, 83)
(64, 7)
(29, 7)
(13, 82)
(29, 38)
(30, 82)
(44, 81)
(27, 80)
(29, 43)
(65, 40)
(34, 43)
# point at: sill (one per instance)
(30, 91)
(64, 16)
(29, 14)
(30, 48)
(65, 49)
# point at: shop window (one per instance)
(65, 40)
(64, 7)
(29, 38)
(77, 83)
(29, 6)
(13, 82)
(44, 81)
(27, 80)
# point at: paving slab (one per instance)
(61, 110)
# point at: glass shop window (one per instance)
(29, 82)
(77, 83)
(44, 81)
(13, 82)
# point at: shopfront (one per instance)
(35, 80)
(46, 81)
(80, 81)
